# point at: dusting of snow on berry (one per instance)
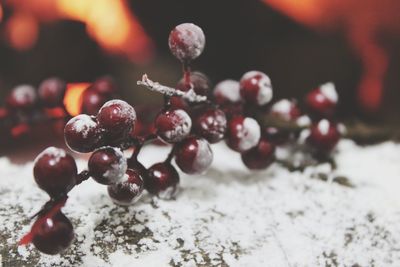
(265, 93)
(303, 121)
(304, 134)
(342, 128)
(283, 108)
(55, 153)
(24, 92)
(204, 155)
(83, 124)
(118, 169)
(187, 41)
(124, 108)
(134, 188)
(228, 89)
(328, 90)
(323, 126)
(250, 134)
(183, 124)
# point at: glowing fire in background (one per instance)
(363, 22)
(110, 23)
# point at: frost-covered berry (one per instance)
(55, 171)
(162, 180)
(256, 88)
(107, 165)
(128, 190)
(324, 136)
(51, 92)
(286, 110)
(22, 97)
(322, 101)
(260, 156)
(193, 155)
(227, 91)
(173, 125)
(210, 124)
(186, 41)
(243, 133)
(82, 134)
(200, 82)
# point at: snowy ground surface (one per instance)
(349, 216)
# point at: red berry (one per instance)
(55, 171)
(193, 155)
(243, 133)
(116, 118)
(276, 136)
(162, 180)
(22, 97)
(186, 41)
(51, 92)
(211, 124)
(177, 102)
(105, 86)
(173, 125)
(259, 157)
(324, 136)
(52, 235)
(92, 101)
(286, 110)
(322, 102)
(107, 165)
(199, 81)
(82, 134)
(128, 190)
(226, 92)
(256, 88)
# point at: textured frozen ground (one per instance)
(349, 216)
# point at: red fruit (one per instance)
(92, 101)
(177, 102)
(211, 124)
(52, 235)
(116, 118)
(105, 86)
(200, 82)
(162, 180)
(55, 171)
(256, 88)
(324, 136)
(82, 134)
(227, 92)
(173, 125)
(286, 110)
(322, 102)
(186, 41)
(22, 97)
(193, 155)
(243, 133)
(51, 92)
(276, 136)
(128, 190)
(259, 157)
(107, 165)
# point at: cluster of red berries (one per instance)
(192, 118)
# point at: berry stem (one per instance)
(170, 155)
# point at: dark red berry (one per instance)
(177, 102)
(52, 235)
(105, 86)
(193, 155)
(199, 81)
(55, 171)
(322, 102)
(128, 190)
(256, 88)
(173, 125)
(116, 118)
(259, 157)
(324, 136)
(51, 92)
(186, 41)
(243, 133)
(92, 101)
(227, 92)
(162, 180)
(276, 136)
(286, 110)
(82, 134)
(211, 124)
(22, 97)
(107, 165)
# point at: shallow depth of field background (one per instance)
(298, 45)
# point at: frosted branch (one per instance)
(190, 95)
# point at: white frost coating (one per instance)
(228, 89)
(283, 108)
(323, 126)
(136, 190)
(265, 92)
(183, 124)
(304, 134)
(124, 108)
(24, 92)
(169, 193)
(329, 91)
(250, 134)
(303, 121)
(83, 124)
(204, 156)
(54, 152)
(193, 38)
(118, 169)
(342, 128)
